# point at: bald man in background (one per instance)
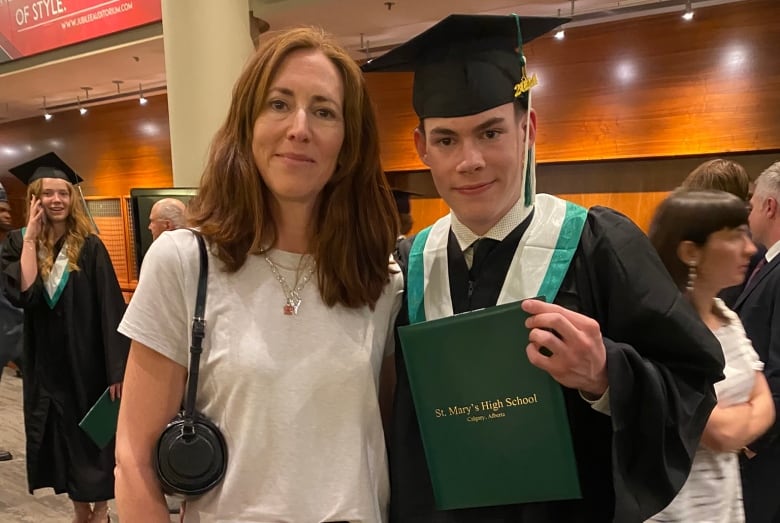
(166, 215)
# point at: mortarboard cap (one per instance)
(51, 166)
(465, 64)
(47, 166)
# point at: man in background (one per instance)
(11, 318)
(759, 309)
(166, 215)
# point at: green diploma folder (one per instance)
(494, 427)
(100, 422)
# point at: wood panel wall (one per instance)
(609, 95)
(113, 147)
(633, 187)
(649, 87)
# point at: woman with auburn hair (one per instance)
(302, 296)
(702, 238)
(60, 273)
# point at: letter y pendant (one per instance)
(291, 307)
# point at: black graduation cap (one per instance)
(47, 166)
(465, 64)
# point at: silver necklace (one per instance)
(292, 296)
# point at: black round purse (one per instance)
(191, 454)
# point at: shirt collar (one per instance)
(499, 231)
(773, 251)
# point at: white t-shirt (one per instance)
(713, 491)
(295, 396)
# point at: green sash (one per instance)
(58, 277)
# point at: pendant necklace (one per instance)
(292, 296)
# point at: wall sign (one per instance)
(29, 27)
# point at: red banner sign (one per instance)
(29, 27)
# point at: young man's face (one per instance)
(476, 162)
(5, 216)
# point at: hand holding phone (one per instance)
(36, 218)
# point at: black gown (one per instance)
(71, 354)
(11, 322)
(661, 361)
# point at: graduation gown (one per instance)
(72, 352)
(661, 361)
(11, 321)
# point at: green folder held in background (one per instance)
(494, 427)
(100, 422)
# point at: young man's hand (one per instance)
(568, 346)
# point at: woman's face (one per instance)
(724, 258)
(298, 135)
(55, 199)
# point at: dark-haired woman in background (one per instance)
(703, 240)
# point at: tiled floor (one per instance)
(16, 505)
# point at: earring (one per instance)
(691, 276)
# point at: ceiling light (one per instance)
(560, 34)
(365, 46)
(82, 109)
(688, 14)
(46, 114)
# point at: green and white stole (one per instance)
(58, 277)
(538, 267)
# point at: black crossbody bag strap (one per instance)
(198, 329)
(191, 454)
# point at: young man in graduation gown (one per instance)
(635, 363)
(60, 273)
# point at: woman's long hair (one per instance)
(355, 224)
(79, 227)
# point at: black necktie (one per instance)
(755, 272)
(481, 249)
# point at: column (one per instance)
(207, 44)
